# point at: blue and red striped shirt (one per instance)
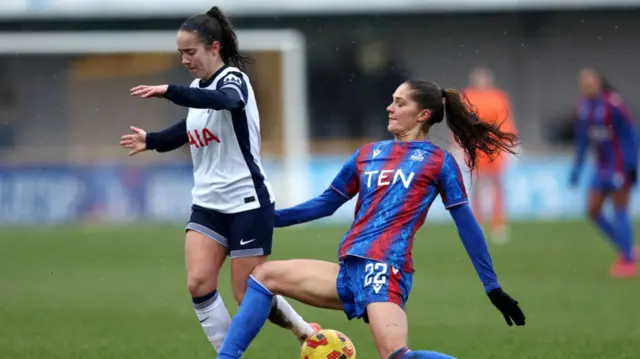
(396, 183)
(606, 124)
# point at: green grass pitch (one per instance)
(120, 293)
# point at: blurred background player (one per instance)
(233, 204)
(493, 106)
(604, 122)
(397, 181)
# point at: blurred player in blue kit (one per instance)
(604, 122)
(397, 181)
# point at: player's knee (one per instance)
(594, 206)
(264, 274)
(271, 275)
(593, 212)
(200, 284)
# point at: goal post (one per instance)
(289, 174)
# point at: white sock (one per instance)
(283, 315)
(214, 318)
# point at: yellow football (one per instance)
(328, 344)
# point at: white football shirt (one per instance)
(225, 149)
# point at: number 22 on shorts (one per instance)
(376, 275)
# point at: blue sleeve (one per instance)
(451, 184)
(168, 139)
(231, 93)
(474, 243)
(582, 142)
(343, 187)
(322, 206)
(628, 130)
(347, 182)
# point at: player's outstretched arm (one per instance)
(623, 121)
(226, 98)
(136, 141)
(223, 99)
(168, 139)
(476, 246)
(322, 206)
(343, 187)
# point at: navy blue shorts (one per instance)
(608, 182)
(245, 234)
(364, 281)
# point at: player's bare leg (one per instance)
(309, 281)
(388, 323)
(204, 258)
(282, 313)
(595, 202)
(241, 268)
(489, 179)
(499, 230)
(625, 266)
(389, 327)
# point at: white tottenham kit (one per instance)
(225, 149)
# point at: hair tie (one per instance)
(187, 25)
(443, 92)
(191, 27)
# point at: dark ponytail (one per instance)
(472, 134)
(214, 25)
(230, 50)
(605, 83)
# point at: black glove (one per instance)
(507, 306)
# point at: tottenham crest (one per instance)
(232, 79)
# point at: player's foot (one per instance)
(634, 255)
(623, 269)
(316, 328)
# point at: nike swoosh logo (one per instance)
(243, 242)
(204, 319)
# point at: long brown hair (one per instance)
(472, 134)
